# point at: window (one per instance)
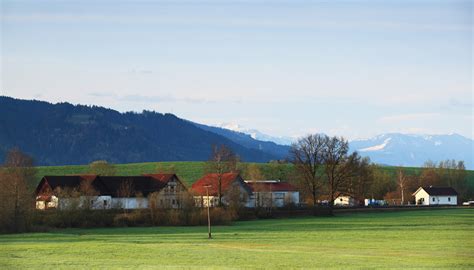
(174, 202)
(449, 199)
(433, 199)
(105, 203)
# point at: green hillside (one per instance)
(190, 171)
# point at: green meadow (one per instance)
(190, 171)
(421, 239)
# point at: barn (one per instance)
(106, 192)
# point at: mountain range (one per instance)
(62, 133)
(414, 150)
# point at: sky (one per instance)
(287, 68)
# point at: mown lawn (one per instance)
(414, 239)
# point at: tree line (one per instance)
(320, 166)
(324, 169)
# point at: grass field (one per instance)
(188, 171)
(426, 239)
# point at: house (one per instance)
(51, 187)
(106, 192)
(233, 187)
(345, 200)
(436, 196)
(172, 190)
(272, 193)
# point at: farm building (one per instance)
(233, 187)
(345, 200)
(272, 193)
(105, 192)
(436, 196)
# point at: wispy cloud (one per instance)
(102, 94)
(305, 22)
(407, 117)
(163, 98)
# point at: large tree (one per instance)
(360, 184)
(383, 183)
(17, 200)
(222, 160)
(339, 166)
(307, 156)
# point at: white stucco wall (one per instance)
(422, 197)
(443, 200)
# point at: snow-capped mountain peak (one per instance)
(257, 135)
(376, 147)
(414, 149)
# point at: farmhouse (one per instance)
(436, 196)
(272, 193)
(105, 192)
(233, 188)
(345, 200)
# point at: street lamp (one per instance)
(208, 214)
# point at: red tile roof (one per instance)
(213, 179)
(271, 186)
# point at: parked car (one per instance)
(469, 203)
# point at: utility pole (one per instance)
(208, 214)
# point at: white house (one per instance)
(272, 193)
(345, 200)
(436, 196)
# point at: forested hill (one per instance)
(58, 134)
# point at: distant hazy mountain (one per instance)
(56, 134)
(394, 148)
(249, 141)
(257, 135)
(414, 150)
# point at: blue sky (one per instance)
(288, 68)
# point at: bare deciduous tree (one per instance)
(222, 160)
(253, 172)
(307, 155)
(88, 194)
(402, 183)
(125, 191)
(17, 200)
(339, 167)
